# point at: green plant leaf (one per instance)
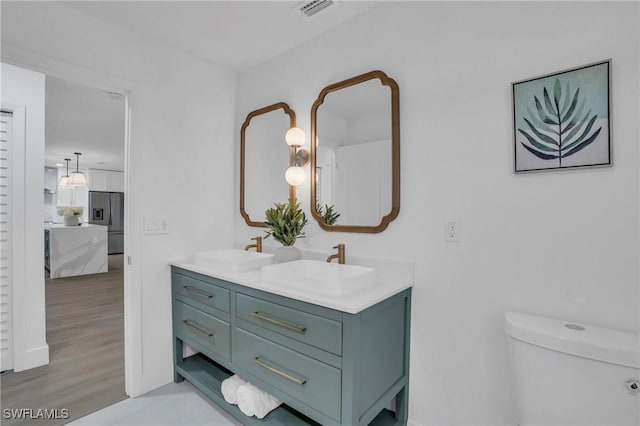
(572, 107)
(567, 99)
(584, 144)
(548, 104)
(542, 114)
(583, 135)
(539, 154)
(557, 94)
(541, 136)
(285, 222)
(539, 124)
(578, 126)
(576, 118)
(535, 143)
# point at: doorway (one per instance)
(84, 311)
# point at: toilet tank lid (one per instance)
(585, 340)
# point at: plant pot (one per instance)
(72, 220)
(286, 254)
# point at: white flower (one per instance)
(70, 210)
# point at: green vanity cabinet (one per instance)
(327, 366)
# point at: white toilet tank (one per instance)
(563, 373)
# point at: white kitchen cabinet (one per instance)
(105, 180)
(115, 181)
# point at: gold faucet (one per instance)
(339, 255)
(257, 245)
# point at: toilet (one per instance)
(564, 373)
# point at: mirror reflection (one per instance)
(355, 174)
(264, 156)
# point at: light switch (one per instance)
(155, 225)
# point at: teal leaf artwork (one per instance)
(558, 116)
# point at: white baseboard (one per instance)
(32, 358)
(154, 379)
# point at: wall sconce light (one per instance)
(298, 157)
(64, 180)
(77, 178)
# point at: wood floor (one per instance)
(85, 333)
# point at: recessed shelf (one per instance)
(207, 376)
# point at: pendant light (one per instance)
(77, 178)
(64, 180)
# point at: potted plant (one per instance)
(286, 223)
(327, 213)
(71, 214)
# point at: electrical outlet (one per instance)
(452, 231)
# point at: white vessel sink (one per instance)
(319, 277)
(232, 260)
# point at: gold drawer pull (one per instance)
(198, 329)
(299, 382)
(198, 292)
(263, 317)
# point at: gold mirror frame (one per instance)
(292, 123)
(395, 152)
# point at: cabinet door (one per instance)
(201, 330)
(98, 180)
(311, 382)
(116, 181)
(202, 294)
(304, 327)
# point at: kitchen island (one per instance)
(75, 250)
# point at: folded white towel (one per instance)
(255, 402)
(229, 388)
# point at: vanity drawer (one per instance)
(207, 331)
(204, 294)
(309, 381)
(307, 328)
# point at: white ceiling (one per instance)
(233, 34)
(83, 119)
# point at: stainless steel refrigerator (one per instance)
(107, 209)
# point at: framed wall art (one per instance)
(562, 120)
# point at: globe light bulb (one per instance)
(295, 136)
(294, 175)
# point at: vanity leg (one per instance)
(177, 357)
(402, 407)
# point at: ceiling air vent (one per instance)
(311, 8)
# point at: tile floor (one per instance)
(173, 404)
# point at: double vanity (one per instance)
(331, 341)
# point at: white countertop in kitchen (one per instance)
(392, 277)
(77, 250)
(63, 226)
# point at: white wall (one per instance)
(557, 243)
(23, 93)
(180, 156)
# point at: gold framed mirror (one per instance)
(264, 157)
(355, 154)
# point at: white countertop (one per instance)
(391, 278)
(77, 250)
(63, 226)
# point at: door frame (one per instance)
(132, 296)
